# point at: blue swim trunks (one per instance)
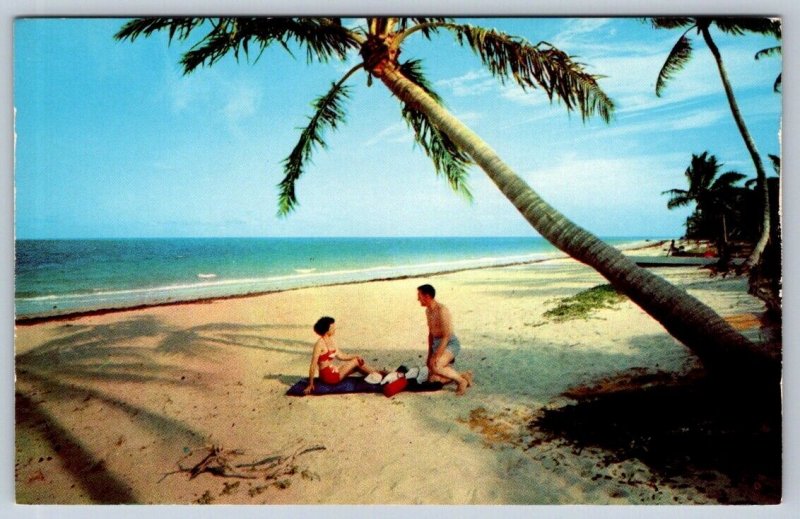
(452, 344)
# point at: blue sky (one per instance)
(112, 140)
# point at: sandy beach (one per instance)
(111, 406)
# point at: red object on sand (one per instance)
(394, 387)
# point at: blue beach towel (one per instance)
(355, 385)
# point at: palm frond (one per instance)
(776, 163)
(182, 27)
(447, 158)
(768, 52)
(425, 23)
(702, 171)
(738, 25)
(670, 22)
(540, 65)
(328, 114)
(323, 38)
(678, 57)
(726, 180)
(678, 198)
(771, 51)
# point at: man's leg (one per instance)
(444, 370)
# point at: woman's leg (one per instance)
(350, 366)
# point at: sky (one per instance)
(113, 140)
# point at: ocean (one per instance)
(55, 277)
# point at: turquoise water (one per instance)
(64, 276)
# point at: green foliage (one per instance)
(681, 52)
(678, 57)
(540, 65)
(722, 209)
(582, 304)
(323, 38)
(447, 158)
(329, 112)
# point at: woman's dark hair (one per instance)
(323, 325)
(428, 290)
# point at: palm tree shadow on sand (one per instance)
(694, 434)
(84, 362)
(101, 485)
(689, 430)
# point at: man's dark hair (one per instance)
(323, 325)
(428, 290)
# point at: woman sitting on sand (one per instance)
(325, 351)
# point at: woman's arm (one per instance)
(312, 368)
(343, 356)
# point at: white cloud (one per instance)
(241, 101)
(673, 121)
(598, 191)
(577, 29)
(184, 91)
(395, 133)
(530, 97)
(473, 83)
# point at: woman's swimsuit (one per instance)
(330, 373)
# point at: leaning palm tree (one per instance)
(681, 53)
(452, 146)
(712, 194)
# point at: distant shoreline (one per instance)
(73, 315)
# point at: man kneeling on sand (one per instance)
(443, 345)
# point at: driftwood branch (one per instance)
(218, 462)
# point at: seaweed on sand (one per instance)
(582, 304)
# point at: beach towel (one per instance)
(355, 385)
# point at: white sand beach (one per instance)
(109, 406)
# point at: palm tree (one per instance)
(714, 197)
(681, 53)
(453, 147)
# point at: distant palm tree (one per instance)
(681, 53)
(714, 196)
(452, 146)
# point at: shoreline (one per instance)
(36, 319)
(31, 320)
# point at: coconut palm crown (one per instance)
(714, 196)
(705, 187)
(453, 147)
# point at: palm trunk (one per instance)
(712, 339)
(761, 176)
